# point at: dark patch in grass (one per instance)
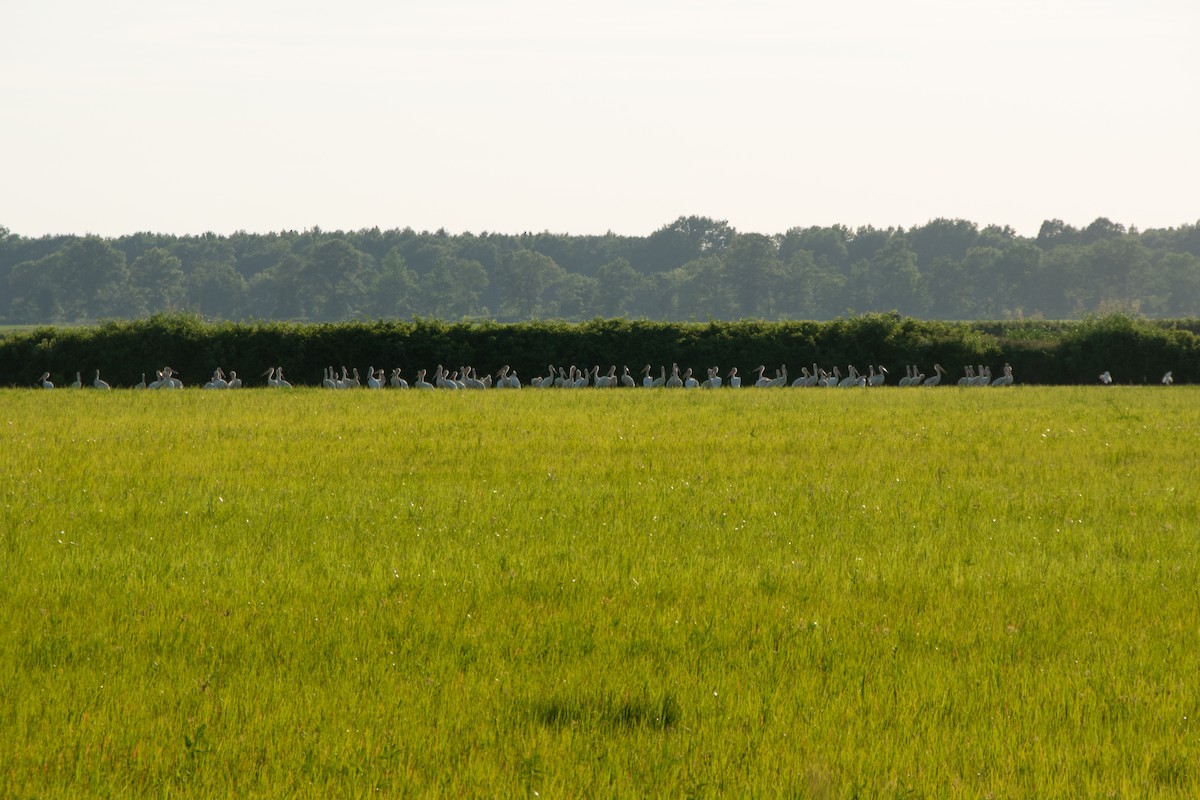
(616, 712)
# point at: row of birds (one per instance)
(575, 378)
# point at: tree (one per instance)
(526, 277)
(158, 280)
(94, 280)
(950, 238)
(334, 281)
(752, 266)
(703, 291)
(1055, 232)
(828, 246)
(397, 292)
(451, 290)
(617, 285)
(215, 289)
(684, 240)
(892, 280)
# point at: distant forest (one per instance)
(692, 269)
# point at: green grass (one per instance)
(950, 593)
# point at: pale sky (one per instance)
(573, 117)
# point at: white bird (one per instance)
(968, 376)
(421, 383)
(877, 378)
(661, 380)
(234, 381)
(735, 382)
(217, 382)
(141, 385)
(674, 382)
(1006, 379)
(372, 381)
(44, 381)
(762, 380)
(1168, 378)
(688, 381)
(1105, 378)
(99, 384)
(627, 379)
(78, 384)
(396, 381)
(780, 378)
(279, 380)
(936, 378)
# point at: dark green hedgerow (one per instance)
(1134, 351)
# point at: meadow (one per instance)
(862, 593)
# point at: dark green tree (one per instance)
(158, 280)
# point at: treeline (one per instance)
(693, 269)
(1134, 351)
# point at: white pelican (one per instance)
(1105, 378)
(688, 381)
(877, 378)
(762, 380)
(1168, 378)
(734, 381)
(372, 381)
(421, 383)
(78, 384)
(674, 382)
(44, 381)
(627, 379)
(936, 378)
(218, 381)
(1006, 379)
(141, 385)
(234, 381)
(780, 378)
(661, 380)
(99, 384)
(396, 381)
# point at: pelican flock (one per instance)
(573, 377)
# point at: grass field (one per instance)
(885, 593)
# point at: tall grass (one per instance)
(951, 593)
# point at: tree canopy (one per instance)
(694, 268)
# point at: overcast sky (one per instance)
(573, 117)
